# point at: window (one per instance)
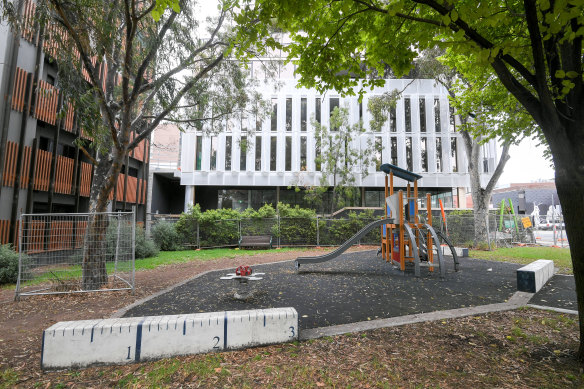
(213, 153)
(288, 166)
(198, 152)
(424, 153)
(303, 153)
(303, 114)
(333, 103)
(273, 153)
(66, 150)
(132, 172)
(439, 154)
(408, 112)
(486, 158)
(45, 144)
(409, 160)
(288, 114)
(422, 114)
(317, 114)
(392, 120)
(454, 155)
(228, 153)
(378, 152)
(243, 153)
(394, 150)
(258, 153)
(452, 120)
(317, 156)
(437, 115)
(274, 125)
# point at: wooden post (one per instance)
(384, 242)
(429, 237)
(402, 264)
(390, 243)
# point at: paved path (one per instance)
(356, 287)
(558, 292)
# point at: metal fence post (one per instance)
(133, 249)
(17, 292)
(317, 233)
(198, 241)
(279, 232)
(118, 241)
(488, 232)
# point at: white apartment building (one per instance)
(420, 135)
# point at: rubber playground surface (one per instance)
(356, 287)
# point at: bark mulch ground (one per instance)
(521, 348)
(354, 287)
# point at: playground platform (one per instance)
(356, 287)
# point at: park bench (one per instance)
(255, 241)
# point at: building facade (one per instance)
(42, 169)
(238, 168)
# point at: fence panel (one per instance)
(53, 250)
(334, 232)
(297, 232)
(219, 233)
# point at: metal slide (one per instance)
(438, 250)
(451, 246)
(342, 248)
(415, 253)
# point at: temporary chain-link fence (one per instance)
(459, 225)
(284, 231)
(72, 253)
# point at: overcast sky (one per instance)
(527, 164)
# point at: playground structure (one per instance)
(404, 237)
(408, 239)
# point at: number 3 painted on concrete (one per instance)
(293, 333)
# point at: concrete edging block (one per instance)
(135, 339)
(531, 278)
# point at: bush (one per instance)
(8, 265)
(145, 248)
(166, 236)
(186, 226)
(219, 227)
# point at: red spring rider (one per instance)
(243, 271)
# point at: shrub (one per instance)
(145, 248)
(8, 265)
(219, 227)
(166, 236)
(297, 225)
(186, 226)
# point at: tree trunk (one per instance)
(481, 196)
(94, 272)
(568, 152)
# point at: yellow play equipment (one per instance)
(408, 239)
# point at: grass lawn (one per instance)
(163, 258)
(172, 257)
(525, 255)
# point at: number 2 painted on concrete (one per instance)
(292, 331)
(216, 339)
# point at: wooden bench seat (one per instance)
(256, 241)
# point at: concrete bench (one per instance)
(532, 278)
(256, 241)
